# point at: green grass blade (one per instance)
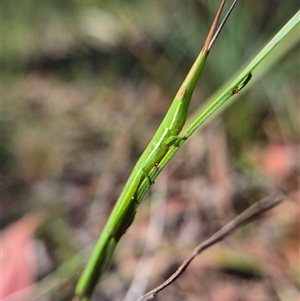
(291, 39)
(223, 97)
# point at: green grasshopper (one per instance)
(167, 135)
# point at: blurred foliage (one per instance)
(86, 83)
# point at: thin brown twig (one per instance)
(245, 217)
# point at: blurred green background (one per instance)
(85, 84)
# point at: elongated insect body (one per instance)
(167, 135)
(125, 208)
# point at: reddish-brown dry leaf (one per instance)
(277, 160)
(17, 258)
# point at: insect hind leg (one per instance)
(150, 181)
